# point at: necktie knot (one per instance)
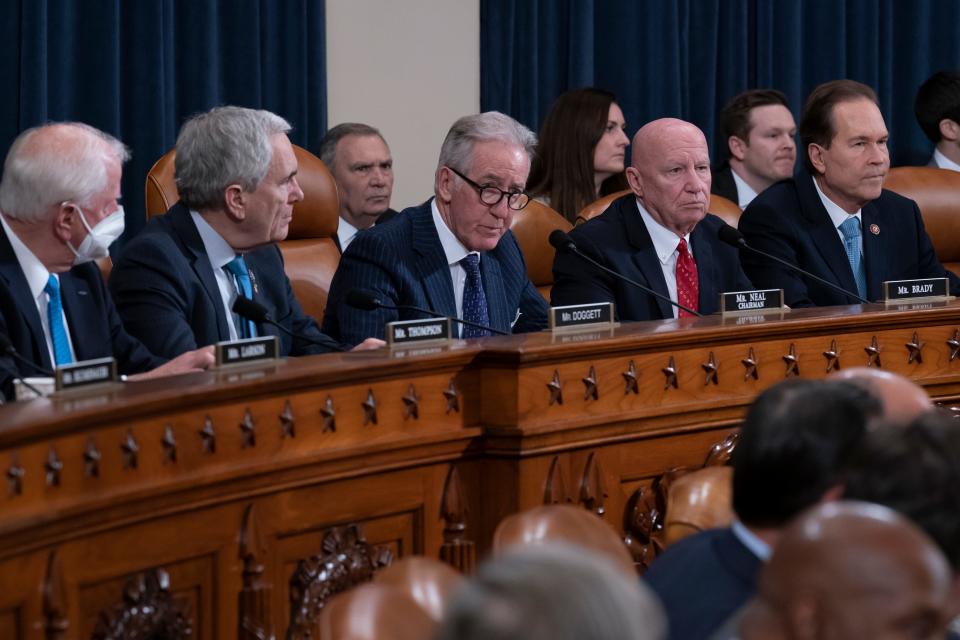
(850, 228)
(682, 247)
(237, 267)
(53, 286)
(471, 264)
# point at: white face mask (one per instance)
(97, 243)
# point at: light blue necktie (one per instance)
(851, 242)
(58, 332)
(474, 299)
(238, 267)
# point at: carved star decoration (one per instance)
(915, 347)
(590, 385)
(556, 389)
(873, 353)
(53, 466)
(91, 459)
(329, 415)
(710, 370)
(249, 430)
(15, 475)
(369, 409)
(452, 398)
(750, 369)
(208, 436)
(670, 373)
(130, 450)
(288, 423)
(954, 344)
(169, 443)
(792, 361)
(833, 357)
(411, 404)
(630, 380)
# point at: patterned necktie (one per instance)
(474, 299)
(58, 332)
(851, 243)
(238, 267)
(688, 282)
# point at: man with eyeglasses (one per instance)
(660, 235)
(455, 254)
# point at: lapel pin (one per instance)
(875, 229)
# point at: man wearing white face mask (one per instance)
(58, 213)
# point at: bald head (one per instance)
(670, 173)
(902, 399)
(851, 570)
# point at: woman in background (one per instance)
(580, 153)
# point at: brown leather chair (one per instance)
(563, 523)
(375, 612)
(429, 582)
(937, 193)
(532, 226)
(309, 252)
(718, 206)
(697, 501)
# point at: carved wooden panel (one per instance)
(458, 550)
(254, 621)
(147, 610)
(11, 625)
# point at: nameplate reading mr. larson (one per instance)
(914, 289)
(85, 373)
(593, 315)
(247, 351)
(761, 300)
(426, 330)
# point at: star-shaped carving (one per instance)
(369, 409)
(208, 436)
(915, 347)
(53, 466)
(954, 344)
(288, 423)
(15, 475)
(329, 415)
(630, 380)
(670, 373)
(833, 357)
(130, 450)
(750, 369)
(169, 443)
(590, 385)
(249, 429)
(91, 459)
(452, 398)
(873, 353)
(792, 361)
(556, 389)
(411, 404)
(710, 370)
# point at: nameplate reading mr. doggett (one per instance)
(425, 330)
(594, 314)
(761, 300)
(250, 350)
(912, 289)
(86, 372)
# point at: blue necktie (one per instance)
(851, 242)
(58, 332)
(474, 300)
(238, 267)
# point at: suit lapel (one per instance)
(432, 266)
(873, 251)
(706, 270)
(16, 282)
(825, 236)
(184, 227)
(82, 316)
(494, 292)
(645, 255)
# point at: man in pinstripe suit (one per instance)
(454, 254)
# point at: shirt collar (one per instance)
(452, 247)
(745, 193)
(218, 251)
(944, 162)
(837, 215)
(664, 241)
(756, 546)
(345, 232)
(36, 274)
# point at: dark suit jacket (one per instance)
(789, 221)
(386, 216)
(403, 263)
(95, 327)
(167, 294)
(702, 580)
(619, 240)
(724, 186)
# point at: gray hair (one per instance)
(457, 149)
(54, 163)
(328, 145)
(224, 146)
(552, 592)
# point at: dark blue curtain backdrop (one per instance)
(686, 58)
(138, 69)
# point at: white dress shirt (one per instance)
(454, 250)
(745, 193)
(756, 546)
(665, 245)
(346, 232)
(220, 254)
(37, 277)
(838, 216)
(944, 162)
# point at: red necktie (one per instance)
(688, 284)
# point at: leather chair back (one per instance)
(718, 206)
(563, 523)
(374, 612)
(697, 501)
(532, 226)
(937, 194)
(309, 252)
(429, 582)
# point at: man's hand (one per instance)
(189, 362)
(369, 344)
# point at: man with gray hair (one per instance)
(176, 283)
(60, 212)
(360, 161)
(455, 254)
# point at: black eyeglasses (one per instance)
(491, 196)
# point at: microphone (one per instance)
(734, 238)
(250, 310)
(7, 347)
(366, 301)
(562, 242)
